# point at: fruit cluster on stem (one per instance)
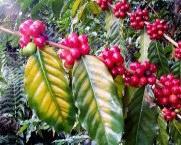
(113, 60)
(32, 31)
(140, 74)
(156, 29)
(78, 46)
(138, 18)
(120, 9)
(104, 4)
(168, 95)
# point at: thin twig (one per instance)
(170, 40)
(10, 31)
(19, 35)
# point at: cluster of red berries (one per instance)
(156, 29)
(138, 18)
(168, 114)
(140, 74)
(32, 30)
(168, 94)
(104, 4)
(113, 60)
(78, 46)
(120, 9)
(178, 51)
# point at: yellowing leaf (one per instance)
(48, 89)
(97, 100)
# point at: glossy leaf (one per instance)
(163, 137)
(119, 82)
(141, 122)
(114, 30)
(176, 69)
(94, 8)
(48, 89)
(176, 132)
(75, 7)
(156, 54)
(97, 100)
(57, 6)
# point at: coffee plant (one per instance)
(104, 72)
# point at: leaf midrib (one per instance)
(47, 82)
(140, 116)
(84, 61)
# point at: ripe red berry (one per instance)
(83, 39)
(156, 29)
(167, 93)
(40, 41)
(104, 4)
(173, 99)
(134, 81)
(24, 40)
(24, 27)
(34, 31)
(78, 46)
(138, 18)
(120, 9)
(168, 114)
(69, 59)
(85, 49)
(143, 81)
(39, 25)
(63, 53)
(113, 60)
(143, 72)
(75, 52)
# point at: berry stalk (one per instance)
(18, 34)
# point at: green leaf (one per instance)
(144, 44)
(114, 30)
(37, 8)
(75, 7)
(96, 98)
(163, 137)
(176, 69)
(48, 89)
(156, 55)
(176, 132)
(94, 8)
(57, 6)
(120, 86)
(141, 122)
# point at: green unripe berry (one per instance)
(29, 49)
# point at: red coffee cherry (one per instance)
(156, 29)
(32, 30)
(24, 27)
(120, 9)
(168, 95)
(40, 41)
(104, 4)
(78, 45)
(113, 60)
(140, 74)
(24, 40)
(168, 114)
(138, 18)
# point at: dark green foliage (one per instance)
(141, 122)
(176, 69)
(156, 54)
